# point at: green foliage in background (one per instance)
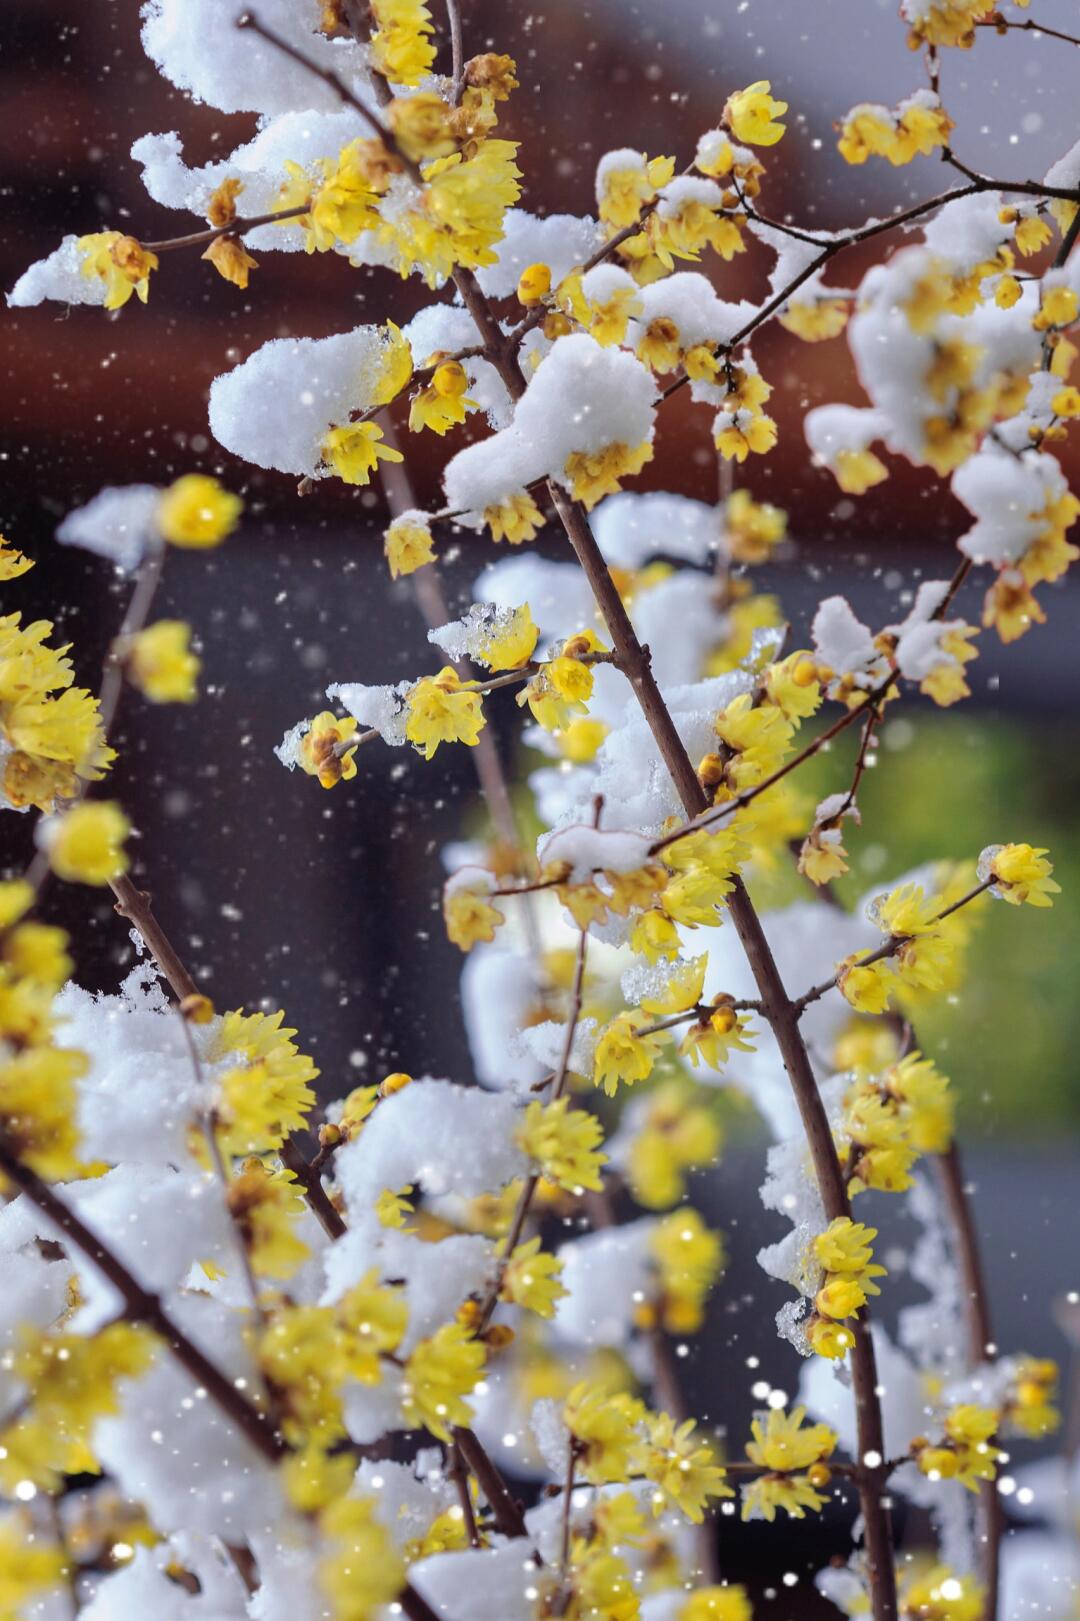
(946, 784)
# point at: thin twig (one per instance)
(236, 227)
(141, 1306)
(891, 946)
(504, 1506)
(322, 1206)
(460, 1477)
(999, 24)
(981, 1346)
(716, 813)
(457, 52)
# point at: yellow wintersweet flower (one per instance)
(622, 192)
(393, 1208)
(866, 131)
(562, 687)
(866, 986)
(1029, 1405)
(355, 450)
(12, 561)
(605, 1429)
(1020, 874)
(375, 1317)
(680, 1467)
(29, 1568)
(439, 1374)
(840, 1297)
(845, 1246)
(1007, 292)
(16, 897)
(689, 1258)
(1066, 402)
(793, 686)
(738, 433)
(231, 260)
(822, 856)
(564, 1143)
(857, 471)
(1059, 308)
(1011, 607)
(600, 1584)
(938, 1594)
(364, 1570)
(422, 125)
(395, 365)
(622, 1056)
(516, 519)
(608, 319)
(328, 749)
(264, 1091)
(401, 48)
(654, 935)
(443, 403)
(964, 1453)
(468, 914)
(121, 262)
(752, 528)
(38, 1108)
(923, 1094)
(221, 209)
(752, 114)
(533, 1279)
(781, 1442)
(196, 512)
(717, 1604)
(439, 712)
(267, 1209)
(675, 1134)
(85, 844)
(829, 1338)
(511, 642)
(682, 990)
(408, 544)
(783, 1446)
(816, 320)
(161, 664)
(592, 475)
(716, 1035)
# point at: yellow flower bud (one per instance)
(534, 284)
(197, 1009)
(397, 1082)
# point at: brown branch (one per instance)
(981, 1346)
(999, 24)
(457, 51)
(251, 21)
(319, 1201)
(460, 1477)
(504, 1506)
(141, 1306)
(134, 904)
(873, 716)
(236, 227)
(963, 569)
(414, 1606)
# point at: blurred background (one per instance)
(279, 894)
